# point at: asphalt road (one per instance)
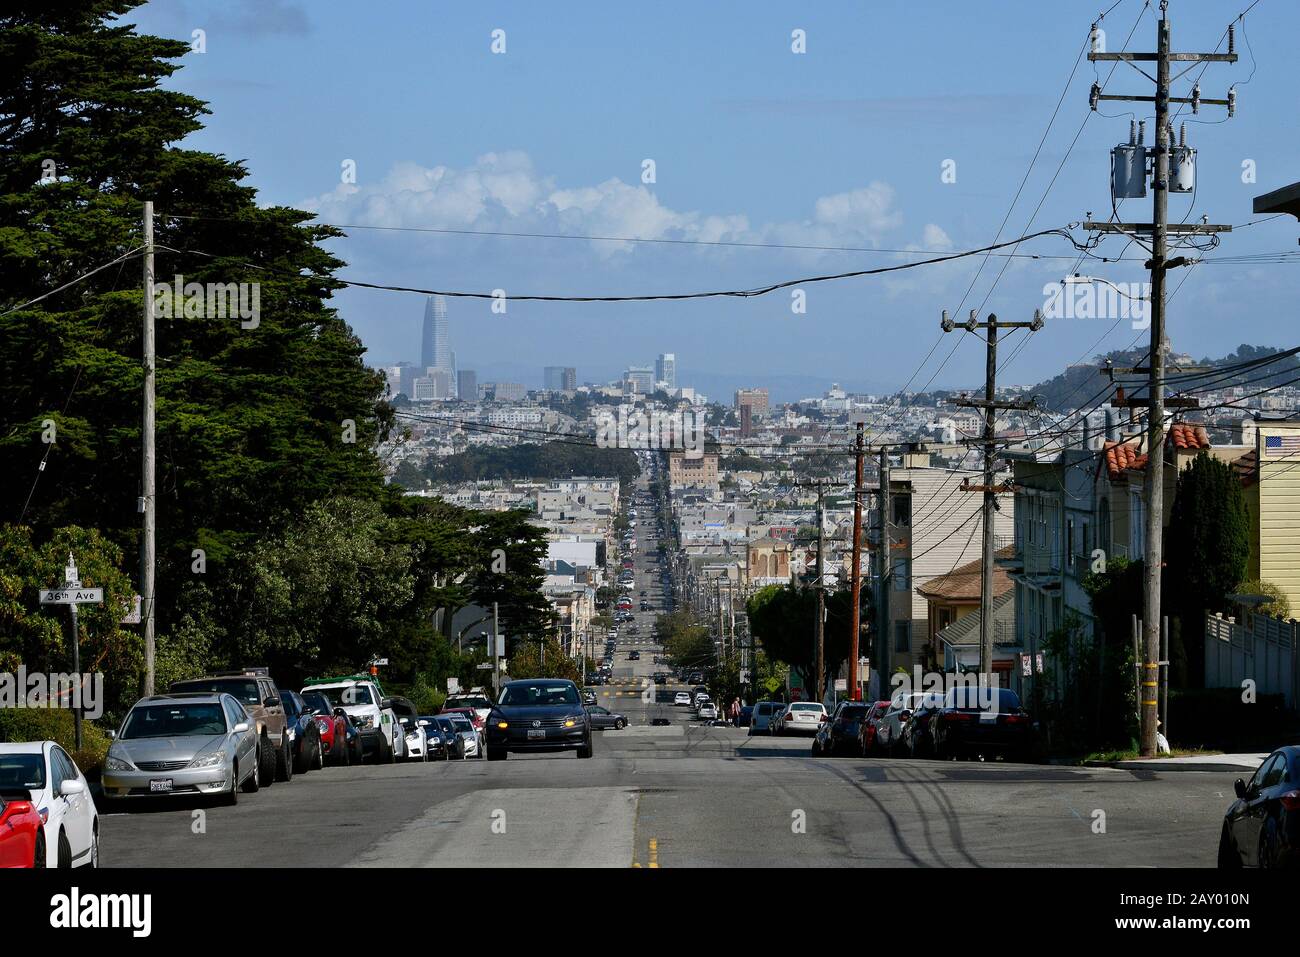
(687, 795)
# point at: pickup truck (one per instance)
(371, 711)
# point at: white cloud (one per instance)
(504, 191)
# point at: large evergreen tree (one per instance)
(253, 423)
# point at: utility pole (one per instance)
(1159, 265)
(990, 405)
(147, 501)
(854, 622)
(821, 594)
(881, 656)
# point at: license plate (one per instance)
(157, 785)
(534, 734)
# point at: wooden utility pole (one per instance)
(1159, 230)
(880, 660)
(990, 405)
(854, 623)
(147, 501)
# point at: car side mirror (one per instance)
(386, 704)
(1240, 787)
(423, 724)
(70, 787)
(271, 703)
(112, 735)
(340, 713)
(239, 728)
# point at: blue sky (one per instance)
(843, 145)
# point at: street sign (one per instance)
(133, 614)
(380, 662)
(453, 685)
(71, 596)
(484, 666)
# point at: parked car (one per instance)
(474, 744)
(1262, 827)
(867, 728)
(839, 733)
(196, 744)
(762, 715)
(682, 697)
(917, 741)
(589, 697)
(338, 742)
(476, 699)
(303, 732)
(799, 717)
(254, 689)
(742, 719)
(361, 696)
(439, 746)
(456, 735)
(469, 714)
(602, 719)
(889, 730)
(962, 728)
(539, 714)
(707, 711)
(22, 831)
(42, 773)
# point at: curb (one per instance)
(1221, 767)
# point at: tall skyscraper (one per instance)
(467, 385)
(666, 371)
(560, 378)
(435, 349)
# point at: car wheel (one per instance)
(39, 858)
(385, 755)
(94, 847)
(284, 760)
(585, 750)
(265, 762)
(253, 783)
(320, 754)
(1229, 859)
(65, 851)
(619, 724)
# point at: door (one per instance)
(76, 808)
(1250, 824)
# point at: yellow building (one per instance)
(1271, 477)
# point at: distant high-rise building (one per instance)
(560, 378)
(639, 379)
(756, 399)
(666, 371)
(505, 391)
(406, 379)
(746, 421)
(435, 348)
(467, 385)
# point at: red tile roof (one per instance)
(1122, 456)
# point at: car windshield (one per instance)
(540, 693)
(856, 713)
(319, 702)
(244, 690)
(174, 721)
(348, 695)
(460, 722)
(21, 772)
(476, 702)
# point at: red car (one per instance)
(475, 719)
(867, 729)
(333, 728)
(22, 836)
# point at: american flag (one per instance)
(1276, 446)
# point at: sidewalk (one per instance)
(1246, 764)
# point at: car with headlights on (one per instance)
(44, 774)
(193, 744)
(538, 714)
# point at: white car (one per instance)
(59, 792)
(681, 697)
(799, 717)
(708, 711)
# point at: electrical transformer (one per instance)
(1128, 167)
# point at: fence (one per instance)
(1259, 648)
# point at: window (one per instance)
(902, 509)
(901, 573)
(903, 636)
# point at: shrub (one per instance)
(56, 724)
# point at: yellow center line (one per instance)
(654, 852)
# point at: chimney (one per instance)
(1112, 425)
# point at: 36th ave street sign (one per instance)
(72, 596)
